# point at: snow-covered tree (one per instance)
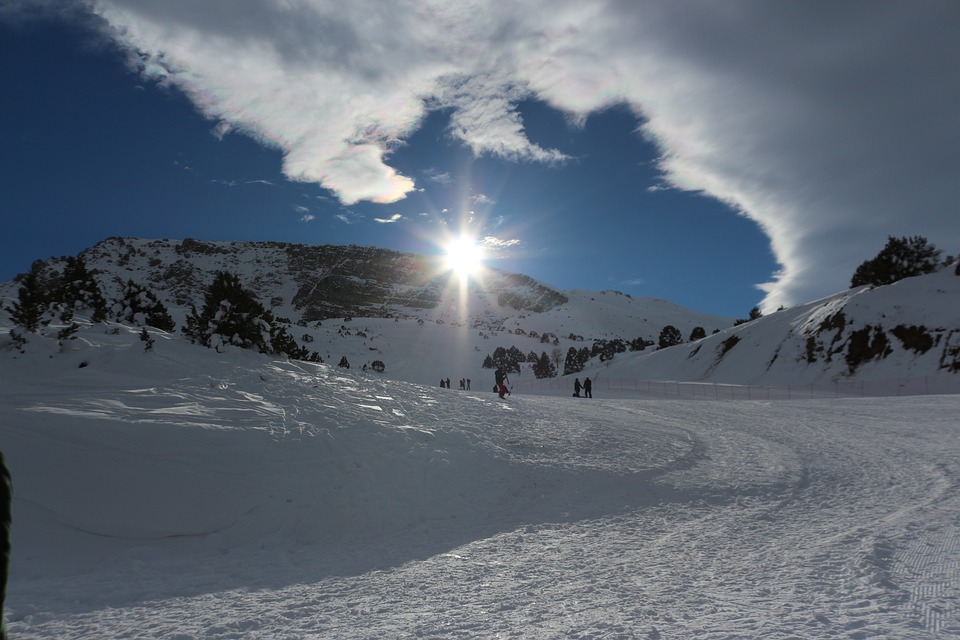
(142, 307)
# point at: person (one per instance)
(468, 384)
(448, 383)
(6, 498)
(576, 388)
(443, 383)
(501, 379)
(587, 388)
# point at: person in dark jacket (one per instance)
(587, 388)
(6, 500)
(501, 379)
(576, 387)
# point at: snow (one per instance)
(724, 488)
(183, 493)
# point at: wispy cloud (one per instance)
(480, 198)
(831, 125)
(236, 183)
(438, 177)
(309, 217)
(495, 244)
(348, 217)
(394, 218)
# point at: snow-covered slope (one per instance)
(183, 493)
(909, 329)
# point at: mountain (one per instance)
(368, 304)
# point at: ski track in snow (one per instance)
(443, 514)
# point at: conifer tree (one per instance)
(140, 305)
(670, 336)
(79, 290)
(543, 367)
(572, 362)
(27, 312)
(901, 258)
(232, 315)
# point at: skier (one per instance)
(576, 388)
(587, 388)
(501, 379)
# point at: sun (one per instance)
(464, 256)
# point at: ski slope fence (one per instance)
(620, 387)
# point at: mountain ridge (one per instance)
(368, 303)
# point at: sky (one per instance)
(718, 155)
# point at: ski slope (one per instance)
(181, 493)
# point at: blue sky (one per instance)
(720, 158)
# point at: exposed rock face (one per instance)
(315, 281)
(360, 281)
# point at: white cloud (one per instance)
(394, 218)
(309, 217)
(480, 198)
(493, 242)
(830, 124)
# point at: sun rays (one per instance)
(463, 256)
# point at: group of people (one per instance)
(587, 387)
(464, 384)
(500, 388)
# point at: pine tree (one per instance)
(670, 336)
(79, 290)
(141, 306)
(31, 304)
(543, 367)
(572, 362)
(583, 357)
(901, 258)
(231, 313)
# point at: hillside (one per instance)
(909, 329)
(368, 304)
(371, 304)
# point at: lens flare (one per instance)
(464, 256)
